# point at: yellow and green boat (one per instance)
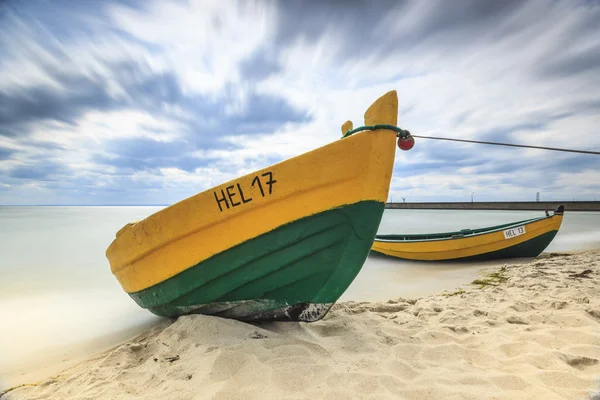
(527, 238)
(280, 243)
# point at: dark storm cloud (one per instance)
(593, 106)
(114, 184)
(259, 65)
(547, 165)
(569, 162)
(577, 51)
(462, 22)
(528, 182)
(461, 118)
(67, 19)
(19, 109)
(445, 151)
(42, 170)
(440, 166)
(6, 153)
(504, 133)
(146, 89)
(507, 165)
(439, 157)
(569, 65)
(309, 20)
(266, 112)
(263, 114)
(360, 22)
(511, 165)
(146, 154)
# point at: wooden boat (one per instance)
(527, 238)
(280, 243)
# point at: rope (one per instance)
(401, 132)
(510, 144)
(405, 134)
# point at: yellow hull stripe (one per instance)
(465, 247)
(347, 171)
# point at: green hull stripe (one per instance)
(530, 248)
(311, 260)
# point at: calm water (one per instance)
(383, 278)
(58, 292)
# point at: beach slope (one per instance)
(526, 331)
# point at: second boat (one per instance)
(526, 238)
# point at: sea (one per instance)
(59, 299)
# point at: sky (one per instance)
(150, 102)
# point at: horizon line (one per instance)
(387, 202)
(83, 205)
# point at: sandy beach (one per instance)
(527, 331)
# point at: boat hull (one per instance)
(492, 245)
(280, 243)
(296, 272)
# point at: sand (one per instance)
(531, 332)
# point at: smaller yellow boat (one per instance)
(527, 238)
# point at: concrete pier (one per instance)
(501, 205)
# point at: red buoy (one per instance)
(406, 143)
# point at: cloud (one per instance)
(20, 110)
(146, 154)
(6, 153)
(40, 171)
(140, 102)
(259, 65)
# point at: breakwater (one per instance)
(501, 205)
